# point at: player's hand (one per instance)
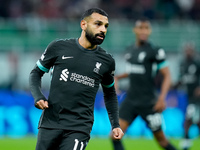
(42, 104)
(160, 105)
(117, 134)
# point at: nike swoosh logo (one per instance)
(63, 57)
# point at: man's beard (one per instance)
(93, 38)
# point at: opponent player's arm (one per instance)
(162, 64)
(166, 83)
(121, 76)
(35, 86)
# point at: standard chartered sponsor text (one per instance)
(82, 79)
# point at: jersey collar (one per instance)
(84, 49)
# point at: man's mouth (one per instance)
(143, 36)
(100, 36)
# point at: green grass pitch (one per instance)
(94, 144)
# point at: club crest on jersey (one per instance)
(98, 65)
(141, 56)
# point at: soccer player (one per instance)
(79, 67)
(190, 77)
(141, 98)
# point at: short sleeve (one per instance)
(47, 59)
(160, 58)
(108, 78)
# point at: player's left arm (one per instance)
(111, 102)
(166, 82)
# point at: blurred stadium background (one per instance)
(27, 26)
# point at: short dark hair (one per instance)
(93, 10)
(142, 19)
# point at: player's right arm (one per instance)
(43, 65)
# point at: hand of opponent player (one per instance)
(160, 105)
(117, 134)
(41, 104)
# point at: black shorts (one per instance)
(55, 139)
(129, 112)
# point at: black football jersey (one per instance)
(142, 65)
(76, 76)
(189, 74)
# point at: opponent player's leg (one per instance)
(73, 140)
(127, 114)
(187, 125)
(154, 122)
(48, 139)
(162, 141)
(190, 115)
(186, 142)
(198, 124)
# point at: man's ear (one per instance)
(83, 24)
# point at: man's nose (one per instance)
(103, 29)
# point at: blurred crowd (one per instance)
(129, 9)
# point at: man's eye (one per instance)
(98, 24)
